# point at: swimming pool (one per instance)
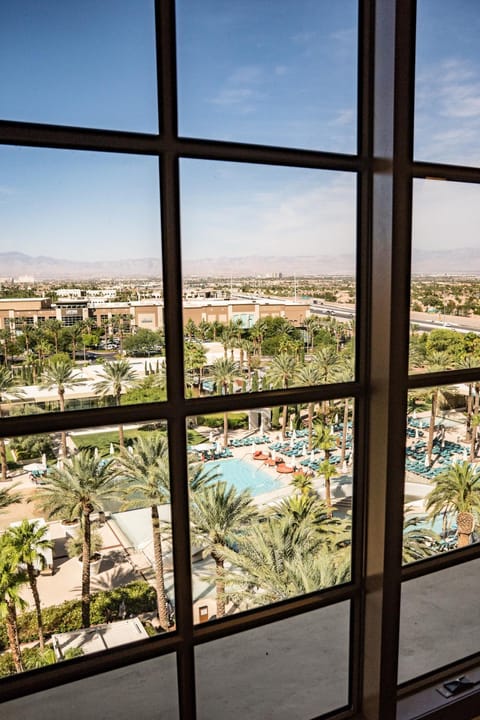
(244, 476)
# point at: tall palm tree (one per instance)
(118, 377)
(145, 478)
(437, 361)
(59, 373)
(76, 490)
(309, 375)
(218, 514)
(280, 373)
(324, 440)
(457, 490)
(28, 544)
(8, 384)
(11, 582)
(53, 328)
(225, 372)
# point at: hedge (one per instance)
(138, 597)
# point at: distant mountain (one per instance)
(460, 261)
(15, 265)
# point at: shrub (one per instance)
(138, 596)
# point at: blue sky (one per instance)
(258, 71)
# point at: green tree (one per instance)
(28, 543)
(273, 562)
(324, 440)
(218, 514)
(437, 361)
(309, 375)
(118, 376)
(418, 541)
(225, 372)
(145, 478)
(12, 581)
(457, 490)
(280, 373)
(8, 496)
(77, 490)
(8, 385)
(59, 373)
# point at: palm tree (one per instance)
(53, 328)
(118, 377)
(280, 373)
(76, 491)
(309, 375)
(218, 514)
(474, 423)
(11, 582)
(324, 440)
(28, 544)
(8, 384)
(437, 361)
(225, 372)
(7, 497)
(457, 490)
(145, 476)
(418, 541)
(59, 373)
(272, 562)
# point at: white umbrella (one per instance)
(95, 453)
(59, 464)
(130, 449)
(210, 437)
(44, 459)
(427, 462)
(304, 450)
(312, 456)
(294, 434)
(112, 449)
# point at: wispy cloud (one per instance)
(343, 117)
(282, 221)
(448, 112)
(240, 89)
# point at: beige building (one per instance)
(16, 312)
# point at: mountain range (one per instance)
(459, 261)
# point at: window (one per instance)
(229, 232)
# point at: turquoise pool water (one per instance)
(244, 476)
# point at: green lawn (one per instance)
(102, 440)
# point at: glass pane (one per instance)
(445, 306)
(143, 690)
(85, 64)
(269, 276)
(438, 620)
(447, 82)
(267, 73)
(81, 289)
(302, 663)
(270, 517)
(98, 506)
(442, 475)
